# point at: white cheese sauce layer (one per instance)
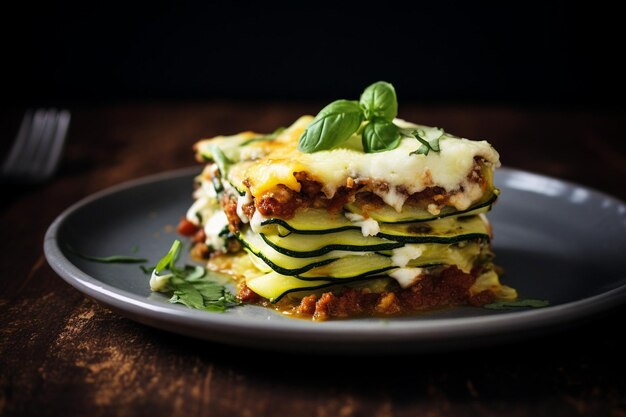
(402, 256)
(406, 276)
(447, 169)
(243, 200)
(404, 173)
(213, 227)
(369, 226)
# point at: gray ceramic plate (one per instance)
(556, 240)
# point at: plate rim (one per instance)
(347, 333)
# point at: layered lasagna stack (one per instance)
(343, 233)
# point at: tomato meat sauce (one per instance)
(449, 288)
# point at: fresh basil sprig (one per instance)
(379, 101)
(380, 135)
(378, 105)
(335, 123)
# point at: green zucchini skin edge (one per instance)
(282, 270)
(396, 242)
(336, 281)
(461, 213)
(368, 274)
(435, 239)
(487, 203)
(329, 248)
(286, 225)
(329, 284)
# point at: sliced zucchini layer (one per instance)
(315, 245)
(447, 230)
(375, 285)
(310, 221)
(274, 286)
(230, 146)
(353, 267)
(319, 221)
(391, 236)
(351, 264)
(350, 267)
(411, 213)
(279, 262)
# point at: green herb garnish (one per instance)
(146, 269)
(221, 160)
(380, 135)
(379, 101)
(332, 126)
(378, 106)
(427, 144)
(263, 138)
(113, 259)
(189, 285)
(509, 305)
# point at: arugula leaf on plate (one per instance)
(113, 259)
(508, 305)
(190, 285)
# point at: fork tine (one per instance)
(41, 150)
(37, 148)
(18, 145)
(58, 142)
(31, 143)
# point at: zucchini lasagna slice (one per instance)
(342, 233)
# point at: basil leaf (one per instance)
(333, 125)
(380, 135)
(379, 100)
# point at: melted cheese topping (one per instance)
(265, 165)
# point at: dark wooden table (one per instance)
(63, 354)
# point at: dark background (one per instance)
(548, 53)
(543, 82)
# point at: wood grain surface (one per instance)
(63, 354)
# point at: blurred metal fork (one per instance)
(37, 149)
